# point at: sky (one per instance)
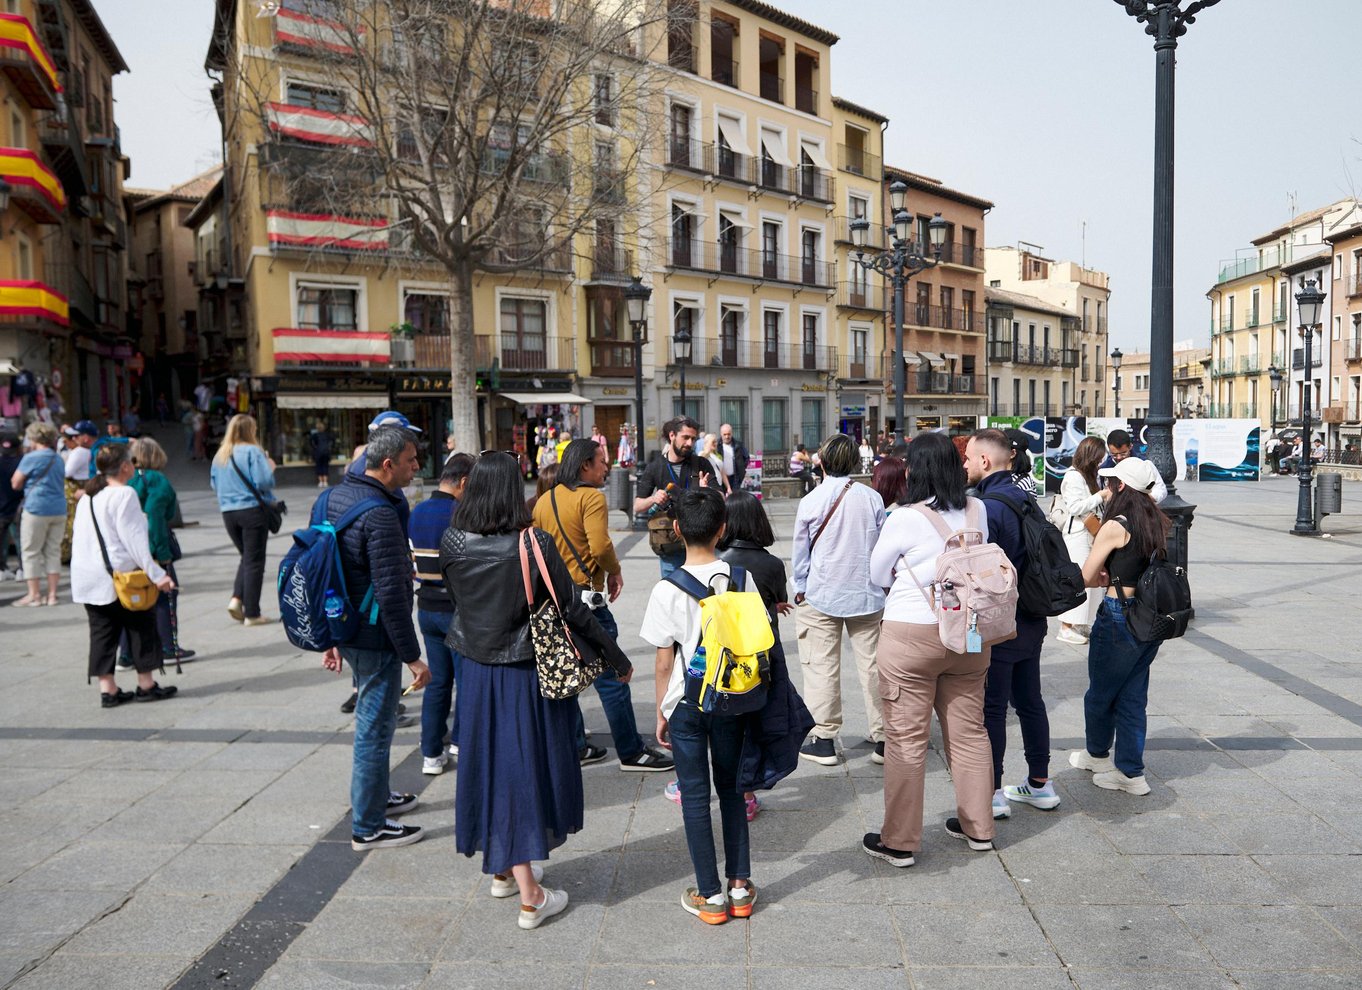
(1044, 107)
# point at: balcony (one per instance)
(1232, 410)
(857, 295)
(1298, 358)
(806, 99)
(611, 358)
(546, 168)
(525, 353)
(1251, 319)
(300, 33)
(772, 87)
(34, 188)
(943, 318)
(1249, 365)
(319, 126)
(874, 234)
(1279, 314)
(611, 263)
(930, 382)
(26, 301)
(1226, 324)
(858, 161)
(1187, 372)
(726, 259)
(724, 70)
(953, 253)
(1001, 350)
(608, 187)
(26, 63)
(867, 367)
(300, 347)
(725, 352)
(1069, 357)
(1353, 349)
(293, 231)
(708, 159)
(1354, 285)
(554, 259)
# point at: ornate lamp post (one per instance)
(1200, 400)
(1116, 356)
(1275, 374)
(1165, 21)
(900, 262)
(681, 350)
(636, 296)
(1309, 301)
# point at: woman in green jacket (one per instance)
(160, 504)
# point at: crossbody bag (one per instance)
(274, 511)
(135, 589)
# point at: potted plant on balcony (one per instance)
(402, 347)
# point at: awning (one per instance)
(545, 398)
(951, 357)
(688, 210)
(816, 155)
(736, 221)
(330, 400)
(731, 132)
(776, 149)
(911, 358)
(931, 358)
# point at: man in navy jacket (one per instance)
(375, 556)
(1014, 668)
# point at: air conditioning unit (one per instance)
(402, 352)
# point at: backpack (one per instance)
(1052, 583)
(977, 605)
(1162, 606)
(735, 645)
(314, 606)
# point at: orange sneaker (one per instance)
(710, 910)
(741, 900)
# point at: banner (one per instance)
(751, 480)
(1062, 436)
(1227, 450)
(1034, 428)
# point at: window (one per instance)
(328, 307)
(811, 428)
(859, 208)
(315, 97)
(18, 133)
(723, 58)
(1087, 324)
(809, 251)
(427, 312)
(681, 18)
(728, 336)
(604, 99)
(682, 119)
(523, 340)
(947, 307)
(499, 140)
(810, 342)
(860, 345)
(23, 257)
(1016, 397)
(683, 234)
(967, 309)
(770, 321)
(1031, 389)
(730, 239)
(968, 240)
(315, 8)
(924, 305)
(775, 432)
(1048, 410)
(683, 318)
(770, 249)
(993, 395)
(734, 413)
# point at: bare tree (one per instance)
(493, 134)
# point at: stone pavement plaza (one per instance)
(203, 842)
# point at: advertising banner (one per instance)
(751, 481)
(1062, 436)
(1228, 450)
(1189, 438)
(1034, 428)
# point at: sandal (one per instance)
(27, 602)
(53, 600)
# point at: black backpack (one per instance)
(1162, 606)
(1052, 583)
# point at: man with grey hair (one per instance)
(735, 457)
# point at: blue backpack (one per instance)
(314, 605)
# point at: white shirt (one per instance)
(1076, 501)
(908, 547)
(78, 463)
(835, 579)
(673, 616)
(124, 528)
(728, 459)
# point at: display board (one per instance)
(1034, 428)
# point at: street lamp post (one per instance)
(681, 350)
(1275, 374)
(1309, 301)
(1200, 400)
(1165, 21)
(1116, 356)
(636, 296)
(902, 261)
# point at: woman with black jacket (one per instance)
(519, 790)
(747, 534)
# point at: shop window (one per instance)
(811, 430)
(328, 308)
(774, 426)
(734, 413)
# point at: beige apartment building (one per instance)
(1083, 295)
(1344, 412)
(1030, 356)
(1191, 383)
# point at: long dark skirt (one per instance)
(519, 790)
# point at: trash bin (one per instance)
(620, 494)
(1328, 493)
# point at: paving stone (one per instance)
(1129, 937)
(378, 929)
(795, 934)
(974, 935)
(1144, 979)
(224, 869)
(164, 924)
(1062, 878)
(1286, 834)
(1280, 938)
(842, 876)
(37, 920)
(489, 933)
(946, 875)
(328, 974)
(513, 975)
(1212, 880)
(1325, 880)
(157, 755)
(258, 756)
(821, 977)
(98, 866)
(19, 785)
(1348, 979)
(689, 941)
(975, 978)
(1166, 832)
(71, 971)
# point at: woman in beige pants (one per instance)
(917, 673)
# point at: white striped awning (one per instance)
(319, 126)
(292, 27)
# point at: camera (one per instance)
(593, 599)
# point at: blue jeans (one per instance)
(1118, 689)
(669, 564)
(444, 666)
(378, 678)
(1014, 676)
(696, 736)
(616, 699)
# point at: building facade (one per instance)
(1031, 356)
(1080, 342)
(1344, 413)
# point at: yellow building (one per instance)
(1249, 313)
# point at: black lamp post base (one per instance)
(1181, 513)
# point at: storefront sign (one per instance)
(690, 386)
(813, 388)
(853, 412)
(925, 424)
(614, 391)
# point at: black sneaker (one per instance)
(348, 705)
(590, 754)
(978, 845)
(399, 803)
(124, 662)
(878, 755)
(114, 700)
(649, 761)
(876, 849)
(822, 751)
(391, 834)
(180, 656)
(156, 692)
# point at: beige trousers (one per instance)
(918, 674)
(820, 656)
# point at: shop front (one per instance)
(290, 408)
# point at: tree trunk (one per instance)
(463, 375)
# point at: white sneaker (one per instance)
(453, 751)
(506, 886)
(434, 765)
(1001, 809)
(1071, 635)
(1081, 759)
(1043, 798)
(1115, 780)
(6, 575)
(555, 902)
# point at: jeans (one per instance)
(248, 530)
(616, 699)
(445, 666)
(1014, 675)
(8, 539)
(694, 736)
(1118, 689)
(669, 564)
(378, 677)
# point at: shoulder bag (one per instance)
(274, 511)
(563, 672)
(828, 518)
(135, 590)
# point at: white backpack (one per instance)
(974, 596)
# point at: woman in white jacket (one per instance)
(111, 512)
(1077, 513)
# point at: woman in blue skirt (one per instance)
(519, 790)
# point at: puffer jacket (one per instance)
(374, 553)
(772, 736)
(491, 621)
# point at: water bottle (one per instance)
(335, 608)
(695, 666)
(950, 600)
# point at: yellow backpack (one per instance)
(730, 672)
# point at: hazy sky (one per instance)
(1045, 107)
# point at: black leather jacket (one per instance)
(491, 620)
(767, 572)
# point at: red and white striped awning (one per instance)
(294, 28)
(326, 232)
(319, 126)
(295, 345)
